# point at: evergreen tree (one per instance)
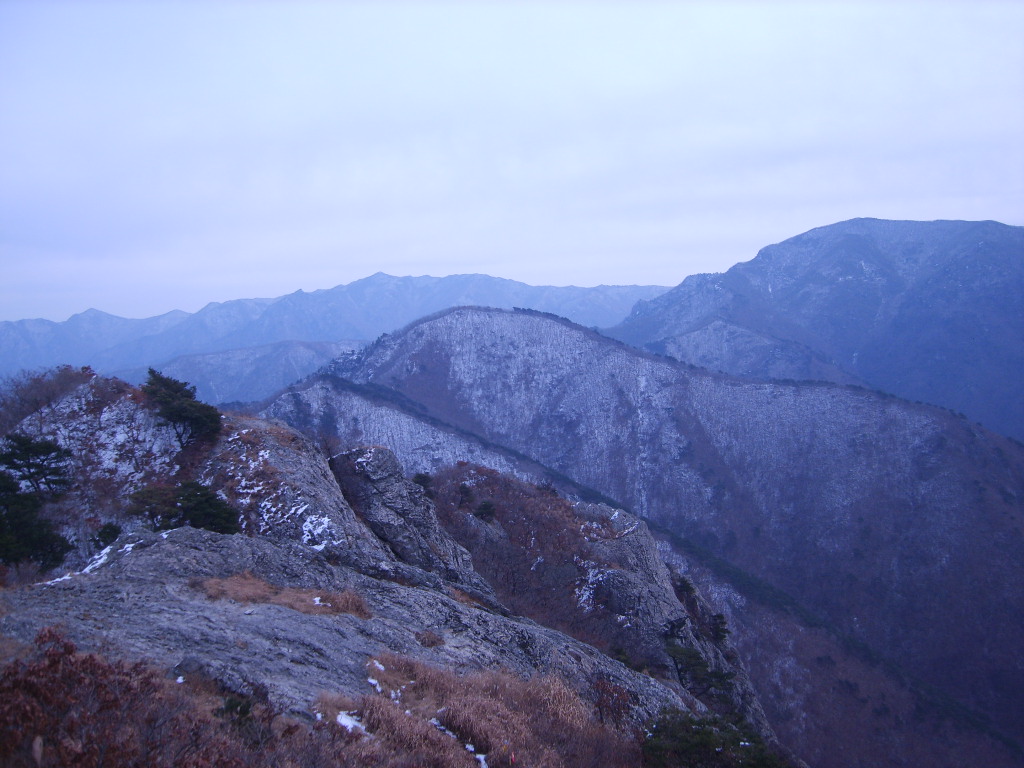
(176, 403)
(24, 535)
(40, 462)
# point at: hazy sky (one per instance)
(163, 155)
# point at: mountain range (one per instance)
(741, 514)
(248, 348)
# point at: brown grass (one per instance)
(536, 722)
(419, 742)
(78, 709)
(429, 639)
(330, 704)
(464, 597)
(247, 588)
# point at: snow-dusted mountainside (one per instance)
(881, 516)
(930, 311)
(248, 348)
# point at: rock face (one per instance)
(929, 311)
(877, 515)
(147, 601)
(399, 513)
(595, 573)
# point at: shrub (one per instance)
(677, 739)
(485, 511)
(39, 462)
(719, 629)
(424, 480)
(63, 708)
(191, 503)
(31, 391)
(429, 639)
(106, 535)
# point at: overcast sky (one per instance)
(164, 155)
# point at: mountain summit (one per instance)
(930, 311)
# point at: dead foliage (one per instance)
(59, 707)
(245, 587)
(537, 722)
(535, 551)
(427, 638)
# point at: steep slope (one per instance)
(930, 311)
(886, 518)
(827, 699)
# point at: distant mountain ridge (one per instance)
(929, 311)
(353, 313)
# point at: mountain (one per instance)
(875, 518)
(354, 590)
(41, 343)
(930, 311)
(353, 313)
(251, 373)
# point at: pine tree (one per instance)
(176, 403)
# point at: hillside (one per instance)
(929, 311)
(880, 517)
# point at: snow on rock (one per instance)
(588, 583)
(349, 722)
(111, 435)
(281, 485)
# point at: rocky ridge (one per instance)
(342, 526)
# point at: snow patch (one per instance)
(587, 584)
(98, 560)
(349, 722)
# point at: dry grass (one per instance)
(86, 712)
(536, 722)
(429, 639)
(415, 739)
(330, 704)
(246, 588)
(464, 597)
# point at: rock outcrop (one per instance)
(147, 600)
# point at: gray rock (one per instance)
(400, 514)
(146, 602)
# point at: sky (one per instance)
(158, 156)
